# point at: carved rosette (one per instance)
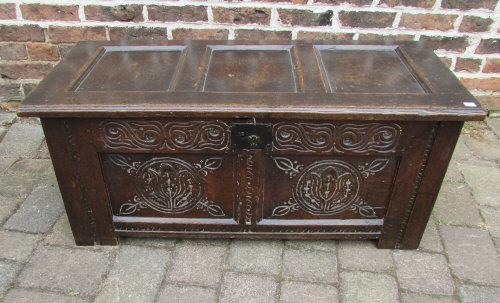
(338, 137)
(155, 135)
(327, 187)
(168, 185)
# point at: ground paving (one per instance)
(458, 259)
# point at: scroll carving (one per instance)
(338, 137)
(154, 135)
(168, 185)
(328, 187)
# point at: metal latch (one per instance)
(251, 136)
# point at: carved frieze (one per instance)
(338, 137)
(155, 135)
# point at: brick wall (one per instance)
(35, 35)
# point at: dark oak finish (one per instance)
(254, 139)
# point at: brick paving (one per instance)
(458, 260)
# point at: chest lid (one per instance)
(278, 79)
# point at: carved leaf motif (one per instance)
(286, 165)
(215, 210)
(366, 211)
(374, 167)
(128, 208)
(122, 162)
(209, 164)
(281, 210)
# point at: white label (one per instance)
(470, 104)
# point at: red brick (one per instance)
(469, 4)
(63, 34)
(468, 65)
(243, 15)
(488, 46)
(416, 3)
(21, 33)
(28, 87)
(24, 70)
(13, 51)
(49, 12)
(9, 90)
(323, 36)
(428, 21)
(447, 43)
(43, 52)
(355, 2)
(114, 13)
(8, 11)
(188, 13)
(492, 66)
(198, 34)
(486, 84)
(137, 33)
(292, 1)
(475, 24)
(305, 17)
(446, 61)
(489, 102)
(386, 37)
(255, 34)
(64, 49)
(366, 19)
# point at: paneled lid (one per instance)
(292, 79)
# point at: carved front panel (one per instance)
(327, 188)
(186, 186)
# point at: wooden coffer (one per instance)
(251, 139)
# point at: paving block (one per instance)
(19, 295)
(204, 242)
(363, 255)
(17, 246)
(16, 187)
(187, 294)
(494, 124)
(8, 206)
(484, 182)
(197, 264)
(3, 131)
(259, 256)
(310, 266)
(61, 233)
(135, 276)
(479, 294)
(39, 212)
(300, 292)
(43, 151)
(322, 245)
(360, 287)
(150, 242)
(34, 168)
(453, 174)
(7, 118)
(431, 240)
(423, 298)
(455, 206)
(485, 146)
(462, 152)
(65, 270)
(8, 272)
(492, 219)
(241, 287)
(472, 254)
(5, 163)
(22, 140)
(423, 272)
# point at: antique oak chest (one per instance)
(251, 139)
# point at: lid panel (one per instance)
(250, 68)
(132, 69)
(367, 69)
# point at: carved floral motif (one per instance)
(168, 185)
(327, 187)
(153, 135)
